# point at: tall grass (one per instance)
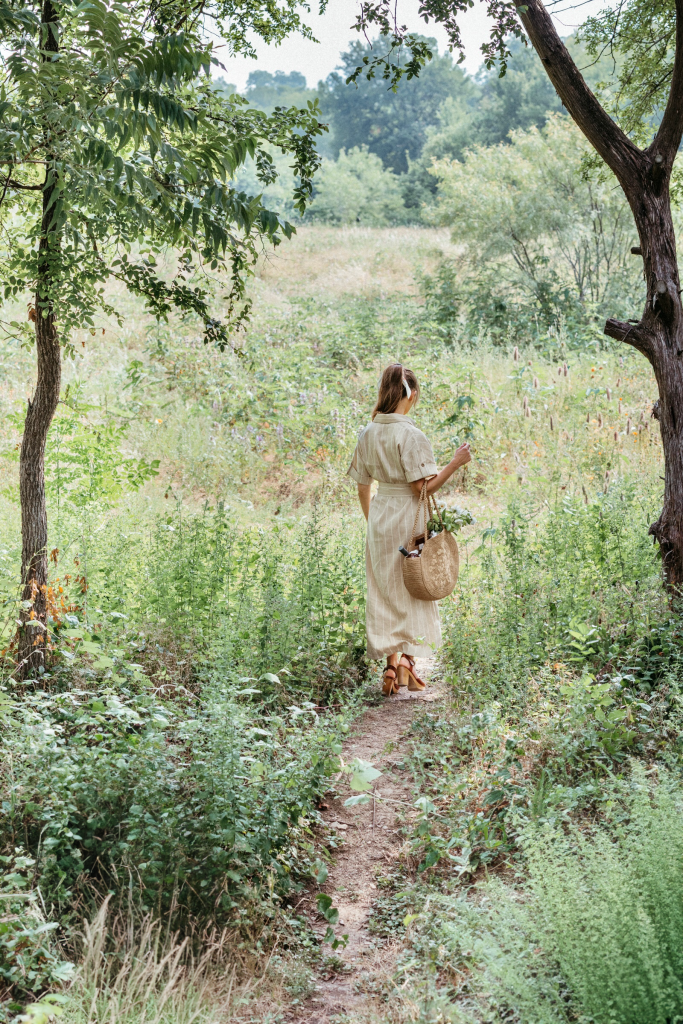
(566, 582)
(136, 972)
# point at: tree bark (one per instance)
(33, 633)
(644, 176)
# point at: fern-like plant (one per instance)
(610, 906)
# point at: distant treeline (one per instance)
(440, 115)
(542, 235)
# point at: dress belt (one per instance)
(395, 489)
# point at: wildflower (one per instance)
(515, 354)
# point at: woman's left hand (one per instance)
(463, 455)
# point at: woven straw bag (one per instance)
(433, 575)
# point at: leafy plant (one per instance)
(30, 957)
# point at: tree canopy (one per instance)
(109, 109)
(393, 125)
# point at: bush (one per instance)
(541, 238)
(198, 813)
(30, 958)
(595, 937)
(546, 578)
(356, 189)
(215, 594)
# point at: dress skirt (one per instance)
(395, 621)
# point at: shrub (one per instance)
(198, 813)
(30, 958)
(554, 585)
(598, 934)
(356, 189)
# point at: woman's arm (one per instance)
(461, 458)
(364, 498)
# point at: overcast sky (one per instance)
(333, 32)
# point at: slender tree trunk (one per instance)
(644, 176)
(33, 634)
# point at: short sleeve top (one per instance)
(392, 450)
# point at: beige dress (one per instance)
(394, 452)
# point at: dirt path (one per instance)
(371, 839)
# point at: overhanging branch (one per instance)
(668, 138)
(606, 137)
(633, 334)
(11, 183)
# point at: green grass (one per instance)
(207, 588)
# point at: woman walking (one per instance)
(394, 452)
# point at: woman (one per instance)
(393, 451)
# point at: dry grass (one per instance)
(135, 972)
(332, 262)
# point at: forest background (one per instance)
(162, 778)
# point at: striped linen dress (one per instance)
(394, 452)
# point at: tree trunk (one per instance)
(659, 337)
(644, 176)
(33, 633)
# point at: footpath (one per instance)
(371, 841)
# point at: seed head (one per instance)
(565, 369)
(599, 419)
(515, 354)
(588, 417)
(536, 382)
(525, 403)
(527, 412)
(559, 371)
(609, 395)
(616, 435)
(628, 425)
(552, 425)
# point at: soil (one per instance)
(371, 841)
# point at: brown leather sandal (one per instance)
(390, 681)
(407, 676)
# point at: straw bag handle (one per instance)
(436, 514)
(430, 503)
(424, 497)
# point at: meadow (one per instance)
(207, 624)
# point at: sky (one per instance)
(333, 32)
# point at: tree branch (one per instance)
(615, 148)
(11, 183)
(633, 334)
(668, 138)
